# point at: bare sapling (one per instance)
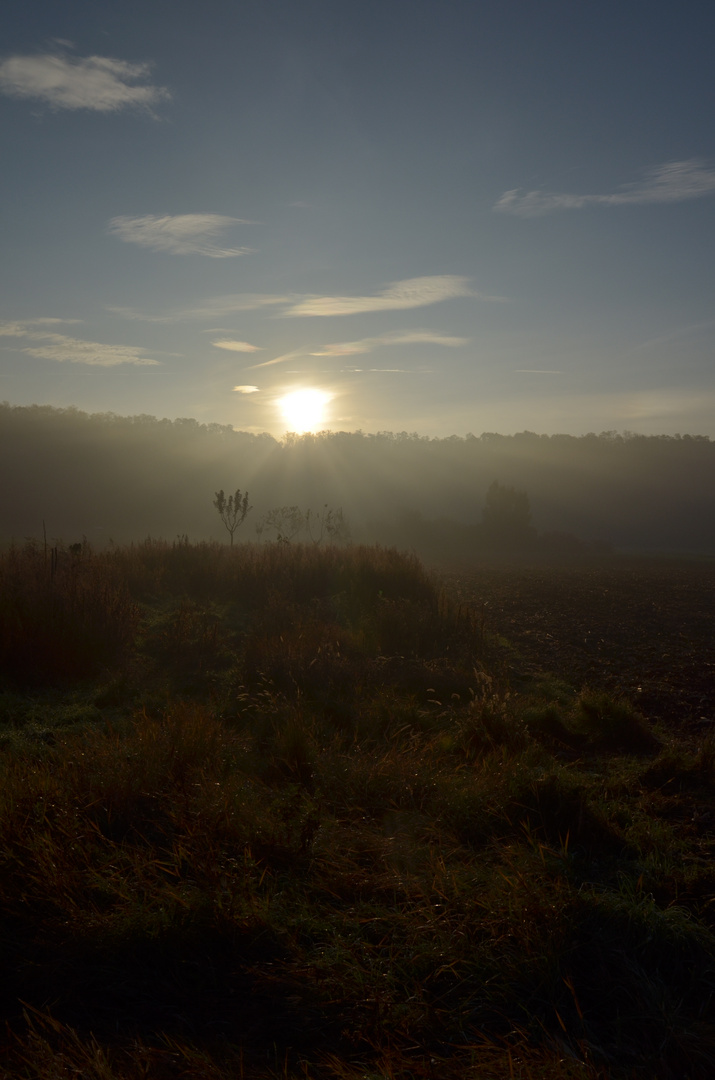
(233, 510)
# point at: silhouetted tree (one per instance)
(327, 522)
(233, 510)
(506, 517)
(286, 521)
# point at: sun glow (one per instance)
(304, 410)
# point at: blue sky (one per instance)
(442, 217)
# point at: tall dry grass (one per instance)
(63, 613)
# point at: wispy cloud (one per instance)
(399, 337)
(32, 327)
(400, 295)
(71, 350)
(95, 353)
(215, 308)
(99, 83)
(366, 345)
(179, 234)
(296, 354)
(383, 371)
(411, 293)
(246, 389)
(236, 346)
(675, 181)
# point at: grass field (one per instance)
(289, 811)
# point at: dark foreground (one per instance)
(293, 812)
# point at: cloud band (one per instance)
(399, 296)
(675, 181)
(179, 234)
(98, 83)
(71, 350)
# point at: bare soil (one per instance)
(644, 628)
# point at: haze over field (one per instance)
(406, 215)
(108, 477)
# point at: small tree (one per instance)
(233, 510)
(286, 521)
(327, 522)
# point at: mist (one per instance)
(112, 478)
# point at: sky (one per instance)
(433, 216)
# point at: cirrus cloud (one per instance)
(399, 295)
(236, 346)
(72, 350)
(98, 83)
(296, 354)
(675, 181)
(95, 353)
(179, 234)
(215, 308)
(398, 337)
(32, 327)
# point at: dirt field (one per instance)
(643, 628)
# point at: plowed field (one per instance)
(641, 628)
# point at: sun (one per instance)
(304, 410)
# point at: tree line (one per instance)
(123, 478)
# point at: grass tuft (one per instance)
(613, 724)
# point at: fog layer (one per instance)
(125, 478)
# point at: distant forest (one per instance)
(108, 477)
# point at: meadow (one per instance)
(315, 812)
